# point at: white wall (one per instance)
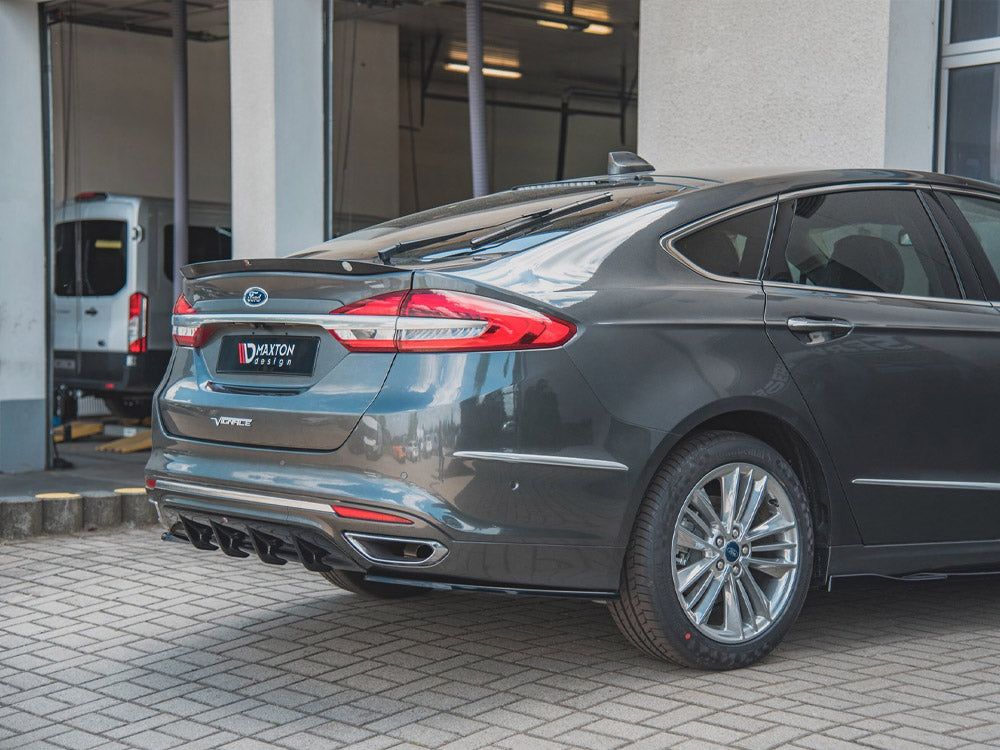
(23, 302)
(276, 88)
(119, 86)
(786, 83)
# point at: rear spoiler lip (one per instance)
(293, 265)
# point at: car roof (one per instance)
(787, 179)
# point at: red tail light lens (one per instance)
(138, 322)
(183, 307)
(193, 336)
(428, 320)
(378, 333)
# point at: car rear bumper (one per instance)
(281, 529)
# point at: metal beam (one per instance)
(180, 143)
(477, 97)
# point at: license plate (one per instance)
(289, 355)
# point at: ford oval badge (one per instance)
(254, 297)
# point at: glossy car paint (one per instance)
(529, 466)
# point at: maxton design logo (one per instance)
(232, 421)
(266, 354)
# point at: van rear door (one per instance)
(93, 279)
(66, 326)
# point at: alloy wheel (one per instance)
(735, 553)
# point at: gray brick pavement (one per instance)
(120, 640)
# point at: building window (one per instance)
(969, 132)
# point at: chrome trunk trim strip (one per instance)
(216, 493)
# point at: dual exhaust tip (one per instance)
(392, 550)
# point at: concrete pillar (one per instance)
(23, 283)
(276, 88)
(804, 83)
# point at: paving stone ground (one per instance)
(120, 640)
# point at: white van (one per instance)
(113, 275)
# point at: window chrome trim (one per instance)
(572, 462)
(938, 484)
(841, 186)
(888, 295)
(907, 184)
(667, 240)
(974, 192)
(252, 498)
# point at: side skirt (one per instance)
(907, 559)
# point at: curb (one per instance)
(25, 516)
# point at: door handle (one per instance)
(818, 325)
(90, 311)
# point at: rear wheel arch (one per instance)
(802, 454)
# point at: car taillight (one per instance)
(427, 320)
(193, 336)
(138, 322)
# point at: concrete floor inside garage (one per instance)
(120, 640)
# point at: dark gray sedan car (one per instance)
(692, 397)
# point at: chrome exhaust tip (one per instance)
(393, 550)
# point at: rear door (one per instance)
(66, 298)
(896, 357)
(106, 274)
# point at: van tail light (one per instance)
(193, 336)
(138, 323)
(427, 320)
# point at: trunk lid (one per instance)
(269, 375)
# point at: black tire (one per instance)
(129, 407)
(649, 611)
(355, 582)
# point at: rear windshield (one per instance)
(204, 243)
(501, 223)
(90, 257)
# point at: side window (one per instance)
(731, 247)
(983, 216)
(102, 253)
(867, 241)
(65, 265)
(204, 243)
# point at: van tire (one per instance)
(128, 407)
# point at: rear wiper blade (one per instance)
(538, 218)
(386, 254)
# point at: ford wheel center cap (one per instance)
(254, 297)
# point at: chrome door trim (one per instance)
(889, 295)
(217, 493)
(937, 484)
(535, 458)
